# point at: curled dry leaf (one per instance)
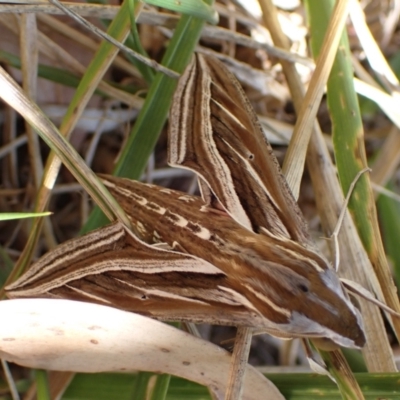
(68, 335)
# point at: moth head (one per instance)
(303, 297)
(326, 312)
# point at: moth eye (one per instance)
(143, 297)
(303, 288)
(250, 157)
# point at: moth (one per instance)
(239, 255)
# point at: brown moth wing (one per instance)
(109, 266)
(229, 151)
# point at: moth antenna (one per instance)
(359, 290)
(339, 223)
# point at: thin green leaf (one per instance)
(194, 8)
(10, 216)
(140, 388)
(42, 385)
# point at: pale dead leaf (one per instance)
(67, 335)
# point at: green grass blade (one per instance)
(293, 386)
(147, 73)
(17, 215)
(42, 385)
(160, 389)
(193, 8)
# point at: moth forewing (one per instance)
(112, 267)
(228, 149)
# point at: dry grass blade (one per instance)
(387, 102)
(238, 363)
(54, 51)
(373, 53)
(92, 45)
(341, 371)
(388, 159)
(116, 43)
(86, 10)
(355, 263)
(29, 64)
(9, 379)
(296, 154)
